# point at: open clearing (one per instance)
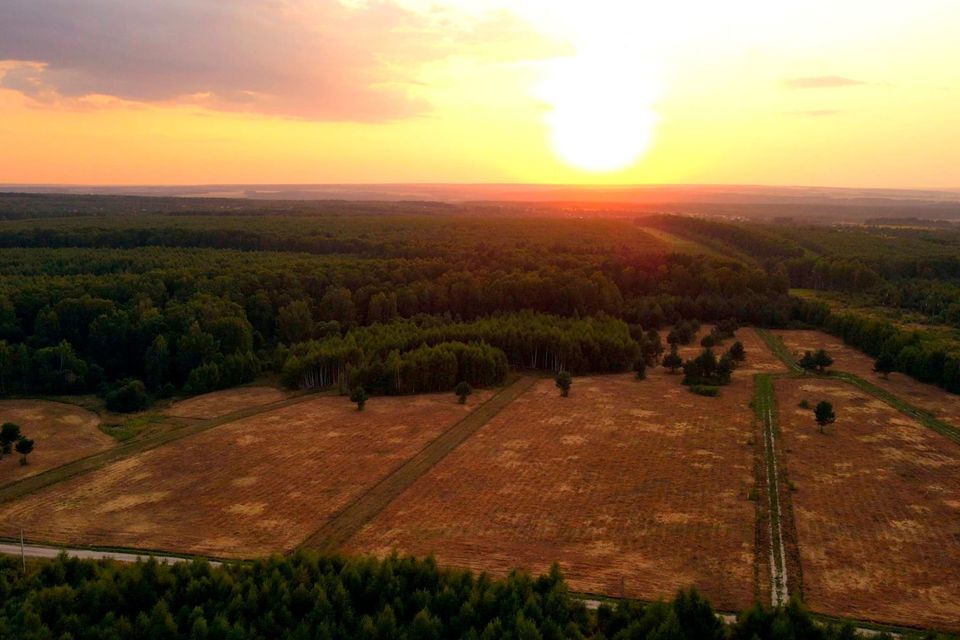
(61, 433)
(220, 403)
(251, 487)
(938, 402)
(877, 508)
(635, 488)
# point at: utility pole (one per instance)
(23, 558)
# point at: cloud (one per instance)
(316, 59)
(822, 82)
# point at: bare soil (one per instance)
(60, 432)
(877, 508)
(251, 487)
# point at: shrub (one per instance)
(128, 396)
(705, 390)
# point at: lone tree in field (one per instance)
(824, 414)
(640, 368)
(24, 447)
(822, 360)
(884, 365)
(737, 352)
(463, 390)
(564, 381)
(808, 362)
(672, 361)
(359, 395)
(9, 433)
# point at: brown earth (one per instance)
(942, 404)
(220, 403)
(255, 486)
(877, 508)
(60, 432)
(636, 488)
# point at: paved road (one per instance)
(41, 551)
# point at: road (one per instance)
(42, 551)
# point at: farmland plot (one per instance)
(255, 486)
(877, 508)
(221, 403)
(940, 403)
(636, 488)
(61, 433)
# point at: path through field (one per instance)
(346, 523)
(122, 451)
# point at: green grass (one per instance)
(924, 417)
(132, 426)
(704, 390)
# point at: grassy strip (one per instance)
(775, 344)
(764, 402)
(924, 417)
(96, 461)
(927, 419)
(343, 525)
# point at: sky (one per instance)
(819, 92)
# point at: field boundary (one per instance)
(763, 406)
(96, 461)
(349, 520)
(926, 418)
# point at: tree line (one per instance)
(307, 596)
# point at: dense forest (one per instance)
(140, 298)
(311, 597)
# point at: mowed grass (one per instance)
(61, 433)
(939, 403)
(221, 403)
(259, 485)
(877, 507)
(636, 488)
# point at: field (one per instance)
(877, 508)
(61, 433)
(940, 403)
(220, 403)
(251, 487)
(635, 488)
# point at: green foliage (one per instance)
(359, 396)
(9, 433)
(823, 413)
(672, 361)
(564, 381)
(24, 447)
(311, 596)
(706, 370)
(463, 389)
(705, 390)
(127, 396)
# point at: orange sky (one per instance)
(840, 92)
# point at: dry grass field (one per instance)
(638, 488)
(250, 487)
(220, 403)
(940, 403)
(877, 508)
(61, 433)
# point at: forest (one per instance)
(142, 298)
(307, 596)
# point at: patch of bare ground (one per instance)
(877, 508)
(61, 433)
(255, 486)
(636, 488)
(220, 403)
(938, 402)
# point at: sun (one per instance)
(600, 116)
(600, 100)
